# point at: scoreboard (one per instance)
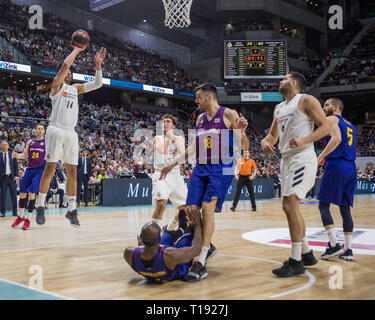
(255, 59)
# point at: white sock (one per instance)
(296, 251)
(203, 255)
(305, 245)
(348, 241)
(41, 199)
(20, 212)
(72, 205)
(27, 215)
(158, 221)
(332, 236)
(173, 225)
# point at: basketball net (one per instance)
(177, 13)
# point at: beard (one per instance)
(284, 90)
(329, 112)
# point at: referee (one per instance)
(245, 178)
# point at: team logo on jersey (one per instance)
(65, 94)
(217, 120)
(362, 241)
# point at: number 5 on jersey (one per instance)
(350, 136)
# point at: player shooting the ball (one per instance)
(61, 138)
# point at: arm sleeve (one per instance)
(93, 85)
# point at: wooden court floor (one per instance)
(87, 263)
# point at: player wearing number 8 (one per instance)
(339, 179)
(61, 138)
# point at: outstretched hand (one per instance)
(100, 56)
(241, 123)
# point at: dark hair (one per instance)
(40, 124)
(301, 80)
(169, 116)
(207, 87)
(337, 103)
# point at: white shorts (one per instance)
(172, 187)
(298, 174)
(61, 145)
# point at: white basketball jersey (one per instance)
(162, 161)
(64, 113)
(293, 123)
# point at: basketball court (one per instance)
(88, 264)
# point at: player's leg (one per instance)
(348, 227)
(21, 208)
(177, 196)
(45, 182)
(240, 185)
(347, 201)
(330, 191)
(71, 190)
(294, 265)
(250, 189)
(30, 210)
(70, 158)
(158, 213)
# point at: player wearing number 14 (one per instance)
(61, 138)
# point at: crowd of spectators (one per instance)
(366, 140)
(5, 55)
(125, 60)
(233, 88)
(243, 26)
(359, 67)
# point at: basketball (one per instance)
(80, 39)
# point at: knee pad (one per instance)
(325, 213)
(347, 220)
(23, 203)
(31, 205)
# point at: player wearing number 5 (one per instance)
(35, 153)
(339, 179)
(61, 138)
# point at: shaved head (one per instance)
(150, 234)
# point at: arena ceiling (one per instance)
(132, 13)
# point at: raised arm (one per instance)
(63, 72)
(240, 123)
(98, 82)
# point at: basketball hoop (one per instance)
(177, 13)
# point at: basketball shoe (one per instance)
(197, 272)
(26, 225)
(308, 258)
(40, 218)
(290, 268)
(17, 222)
(347, 255)
(331, 251)
(72, 217)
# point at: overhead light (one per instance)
(144, 20)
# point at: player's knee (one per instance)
(347, 220)
(23, 203)
(325, 213)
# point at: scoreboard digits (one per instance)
(255, 59)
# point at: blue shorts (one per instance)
(208, 182)
(31, 180)
(185, 241)
(338, 182)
